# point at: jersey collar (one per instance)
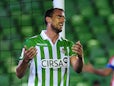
(45, 37)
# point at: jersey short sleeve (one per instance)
(111, 63)
(29, 42)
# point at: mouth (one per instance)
(61, 24)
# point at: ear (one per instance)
(48, 19)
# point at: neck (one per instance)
(52, 35)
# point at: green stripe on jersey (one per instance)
(58, 55)
(43, 70)
(36, 75)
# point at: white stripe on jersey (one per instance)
(68, 69)
(47, 70)
(39, 66)
(32, 74)
(62, 69)
(55, 71)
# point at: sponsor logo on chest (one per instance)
(55, 63)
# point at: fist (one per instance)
(77, 48)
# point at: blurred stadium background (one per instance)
(90, 21)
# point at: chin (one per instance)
(57, 30)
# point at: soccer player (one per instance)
(102, 71)
(49, 55)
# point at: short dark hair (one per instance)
(50, 12)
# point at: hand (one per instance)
(78, 49)
(29, 54)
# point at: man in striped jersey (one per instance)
(49, 55)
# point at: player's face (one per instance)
(58, 19)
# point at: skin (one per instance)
(103, 72)
(54, 27)
(23, 64)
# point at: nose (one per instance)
(63, 19)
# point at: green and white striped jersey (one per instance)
(50, 67)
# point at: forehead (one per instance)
(59, 12)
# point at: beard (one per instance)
(56, 30)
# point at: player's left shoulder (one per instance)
(65, 39)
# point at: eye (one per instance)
(60, 16)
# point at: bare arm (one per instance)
(103, 71)
(21, 68)
(77, 61)
(23, 64)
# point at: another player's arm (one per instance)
(103, 72)
(77, 60)
(23, 64)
